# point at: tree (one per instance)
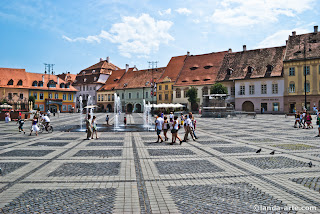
(218, 88)
(192, 97)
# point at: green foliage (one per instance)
(218, 88)
(192, 95)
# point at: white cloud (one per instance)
(196, 21)
(164, 12)
(250, 12)
(140, 36)
(184, 11)
(279, 38)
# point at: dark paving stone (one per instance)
(6, 143)
(105, 144)
(63, 201)
(26, 153)
(274, 162)
(223, 198)
(64, 138)
(168, 152)
(111, 138)
(295, 146)
(186, 167)
(162, 144)
(87, 169)
(238, 135)
(100, 153)
(49, 144)
(213, 141)
(260, 140)
(311, 182)
(8, 167)
(236, 149)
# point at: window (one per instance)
(166, 87)
(35, 83)
(147, 94)
(10, 96)
(160, 96)
(229, 71)
(166, 97)
(250, 69)
(306, 70)
(20, 82)
(69, 107)
(251, 89)
(308, 86)
(41, 107)
(242, 90)
(64, 108)
(129, 95)
(41, 95)
(40, 84)
(35, 106)
(69, 96)
(178, 93)
(233, 90)
(64, 96)
(269, 68)
(62, 85)
(275, 106)
(274, 88)
(102, 97)
(112, 97)
(10, 82)
(98, 97)
(292, 71)
(122, 96)
(87, 88)
(21, 96)
(56, 96)
(50, 95)
(205, 90)
(35, 95)
(263, 89)
(292, 88)
(171, 87)
(160, 87)
(90, 88)
(185, 92)
(84, 88)
(94, 97)
(137, 95)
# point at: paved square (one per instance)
(127, 172)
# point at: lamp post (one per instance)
(305, 76)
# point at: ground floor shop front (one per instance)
(260, 104)
(297, 103)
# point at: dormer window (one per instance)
(112, 88)
(20, 82)
(83, 73)
(93, 71)
(125, 85)
(85, 79)
(269, 68)
(194, 67)
(195, 80)
(40, 84)
(35, 83)
(229, 71)
(116, 79)
(10, 82)
(208, 66)
(62, 85)
(184, 81)
(67, 85)
(298, 52)
(206, 79)
(95, 79)
(250, 69)
(147, 83)
(51, 84)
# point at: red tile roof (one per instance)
(103, 67)
(6, 74)
(139, 78)
(113, 80)
(67, 77)
(173, 68)
(200, 69)
(297, 43)
(238, 63)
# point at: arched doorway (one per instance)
(248, 106)
(129, 108)
(53, 108)
(109, 108)
(138, 108)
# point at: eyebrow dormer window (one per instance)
(250, 69)
(194, 67)
(269, 68)
(20, 82)
(35, 83)
(229, 71)
(10, 82)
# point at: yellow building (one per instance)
(168, 78)
(302, 57)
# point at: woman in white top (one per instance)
(165, 128)
(174, 130)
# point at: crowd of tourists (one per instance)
(165, 123)
(304, 120)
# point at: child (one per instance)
(94, 127)
(107, 119)
(308, 121)
(34, 125)
(165, 128)
(21, 123)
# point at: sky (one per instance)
(74, 35)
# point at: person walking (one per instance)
(318, 123)
(171, 117)
(158, 127)
(89, 127)
(193, 127)
(308, 121)
(297, 120)
(174, 131)
(7, 117)
(21, 123)
(35, 127)
(94, 127)
(188, 125)
(107, 119)
(165, 128)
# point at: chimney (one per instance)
(57, 80)
(101, 59)
(108, 59)
(244, 47)
(127, 67)
(315, 29)
(68, 72)
(286, 42)
(43, 79)
(188, 53)
(293, 33)
(230, 50)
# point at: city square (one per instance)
(127, 172)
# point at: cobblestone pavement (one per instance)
(127, 172)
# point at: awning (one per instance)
(167, 105)
(92, 106)
(5, 105)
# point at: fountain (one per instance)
(117, 110)
(89, 103)
(146, 115)
(81, 110)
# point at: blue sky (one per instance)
(75, 34)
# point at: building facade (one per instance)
(302, 58)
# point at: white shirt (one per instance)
(176, 127)
(188, 122)
(46, 119)
(171, 116)
(159, 123)
(314, 108)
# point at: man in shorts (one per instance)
(158, 127)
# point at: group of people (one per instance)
(91, 126)
(304, 120)
(163, 124)
(37, 118)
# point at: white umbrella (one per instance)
(93, 106)
(5, 105)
